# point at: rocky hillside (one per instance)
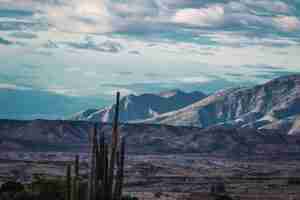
(142, 107)
(41, 135)
(273, 105)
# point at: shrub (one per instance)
(10, 190)
(223, 197)
(127, 197)
(11, 187)
(294, 180)
(49, 189)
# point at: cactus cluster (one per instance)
(106, 167)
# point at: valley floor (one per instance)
(189, 176)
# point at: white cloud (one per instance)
(90, 74)
(287, 23)
(135, 9)
(210, 16)
(102, 16)
(72, 69)
(243, 14)
(123, 92)
(13, 87)
(80, 16)
(196, 79)
(269, 5)
(63, 91)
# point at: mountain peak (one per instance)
(170, 93)
(144, 106)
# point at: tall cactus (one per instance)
(120, 171)
(114, 144)
(105, 172)
(103, 184)
(91, 181)
(76, 167)
(68, 182)
(75, 191)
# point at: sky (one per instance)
(86, 50)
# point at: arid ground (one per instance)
(189, 176)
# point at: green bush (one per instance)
(10, 190)
(223, 197)
(294, 180)
(11, 187)
(49, 189)
(127, 197)
(39, 189)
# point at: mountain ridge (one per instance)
(144, 106)
(271, 105)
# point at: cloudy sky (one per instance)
(91, 48)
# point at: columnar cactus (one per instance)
(103, 183)
(92, 178)
(120, 172)
(68, 183)
(113, 150)
(75, 191)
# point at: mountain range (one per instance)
(261, 121)
(142, 107)
(274, 105)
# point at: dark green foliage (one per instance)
(294, 180)
(25, 196)
(49, 189)
(38, 189)
(75, 187)
(127, 197)
(218, 190)
(10, 190)
(12, 187)
(223, 197)
(68, 183)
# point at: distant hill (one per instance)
(43, 135)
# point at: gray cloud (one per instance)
(88, 44)
(124, 73)
(21, 26)
(236, 75)
(268, 75)
(23, 35)
(50, 45)
(15, 13)
(30, 66)
(262, 67)
(152, 75)
(5, 42)
(135, 52)
(44, 53)
(275, 15)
